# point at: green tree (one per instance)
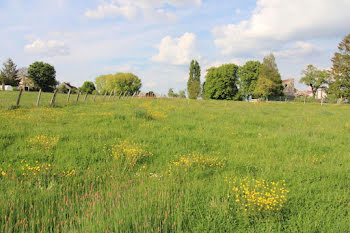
(221, 82)
(182, 94)
(269, 71)
(123, 83)
(194, 81)
(248, 77)
(88, 87)
(43, 75)
(340, 86)
(314, 78)
(9, 74)
(171, 92)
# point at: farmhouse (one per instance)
(288, 88)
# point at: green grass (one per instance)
(86, 187)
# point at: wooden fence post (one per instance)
(86, 96)
(38, 100)
(95, 96)
(304, 99)
(19, 98)
(68, 97)
(78, 97)
(114, 93)
(104, 97)
(110, 95)
(120, 96)
(53, 98)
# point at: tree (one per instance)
(248, 77)
(43, 75)
(88, 87)
(171, 93)
(182, 94)
(314, 78)
(221, 82)
(194, 81)
(123, 83)
(340, 86)
(9, 74)
(269, 71)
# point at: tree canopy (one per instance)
(194, 80)
(221, 82)
(248, 77)
(314, 78)
(269, 80)
(88, 87)
(340, 86)
(122, 83)
(43, 75)
(9, 74)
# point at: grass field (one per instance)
(168, 165)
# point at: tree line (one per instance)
(40, 75)
(263, 80)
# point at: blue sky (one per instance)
(156, 39)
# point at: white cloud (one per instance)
(151, 10)
(50, 48)
(150, 84)
(177, 51)
(300, 48)
(275, 22)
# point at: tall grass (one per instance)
(164, 165)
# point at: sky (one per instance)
(157, 39)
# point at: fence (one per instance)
(18, 99)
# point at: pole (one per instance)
(38, 100)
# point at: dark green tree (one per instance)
(182, 94)
(88, 87)
(314, 78)
(194, 80)
(269, 71)
(9, 74)
(221, 82)
(340, 86)
(248, 77)
(43, 75)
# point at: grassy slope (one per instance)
(272, 141)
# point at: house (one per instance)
(320, 94)
(288, 88)
(301, 93)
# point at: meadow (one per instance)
(173, 165)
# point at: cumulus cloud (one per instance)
(300, 48)
(50, 48)
(152, 10)
(177, 51)
(276, 22)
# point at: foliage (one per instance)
(221, 82)
(172, 94)
(88, 87)
(122, 83)
(9, 74)
(62, 89)
(194, 80)
(43, 75)
(314, 78)
(269, 79)
(248, 77)
(341, 70)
